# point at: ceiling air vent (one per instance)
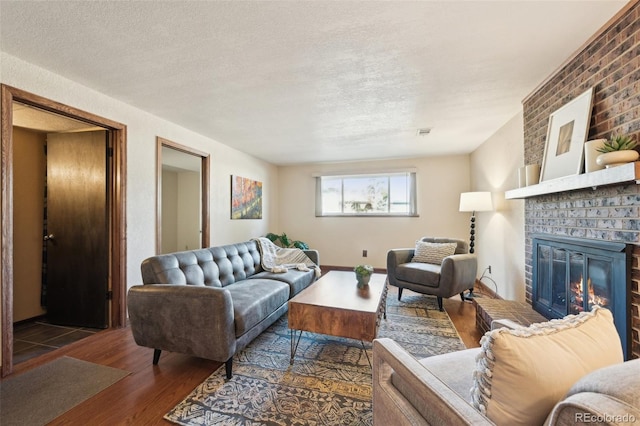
(424, 131)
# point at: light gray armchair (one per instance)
(455, 275)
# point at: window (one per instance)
(380, 194)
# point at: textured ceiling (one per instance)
(311, 81)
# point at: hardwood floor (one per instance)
(463, 316)
(143, 397)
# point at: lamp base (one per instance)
(471, 295)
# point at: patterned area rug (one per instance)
(330, 380)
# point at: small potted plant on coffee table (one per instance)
(363, 274)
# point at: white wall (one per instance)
(142, 129)
(340, 240)
(500, 234)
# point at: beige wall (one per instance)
(169, 234)
(189, 211)
(500, 234)
(180, 211)
(28, 204)
(340, 240)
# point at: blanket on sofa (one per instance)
(278, 259)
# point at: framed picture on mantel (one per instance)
(567, 132)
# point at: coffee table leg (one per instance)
(384, 297)
(294, 343)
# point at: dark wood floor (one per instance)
(143, 397)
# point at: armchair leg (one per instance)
(228, 366)
(400, 292)
(440, 304)
(156, 356)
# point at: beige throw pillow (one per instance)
(522, 373)
(433, 252)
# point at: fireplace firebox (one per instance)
(571, 275)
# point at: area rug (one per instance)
(329, 382)
(44, 393)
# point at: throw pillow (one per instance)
(522, 373)
(433, 252)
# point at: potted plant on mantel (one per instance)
(618, 150)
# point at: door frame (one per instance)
(116, 213)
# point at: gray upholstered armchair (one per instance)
(454, 275)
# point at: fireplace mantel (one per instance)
(627, 173)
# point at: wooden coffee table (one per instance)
(334, 305)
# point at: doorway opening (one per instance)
(182, 213)
(18, 108)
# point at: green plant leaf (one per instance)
(273, 237)
(285, 240)
(618, 143)
(301, 245)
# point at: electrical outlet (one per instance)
(364, 253)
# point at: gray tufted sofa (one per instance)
(210, 302)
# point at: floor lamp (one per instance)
(474, 202)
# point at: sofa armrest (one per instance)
(314, 255)
(391, 407)
(458, 272)
(505, 323)
(195, 320)
(397, 257)
(590, 407)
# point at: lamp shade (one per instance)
(475, 202)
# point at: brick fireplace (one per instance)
(610, 62)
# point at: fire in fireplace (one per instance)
(562, 266)
(579, 294)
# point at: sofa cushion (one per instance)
(214, 266)
(254, 300)
(452, 369)
(522, 373)
(419, 273)
(194, 267)
(462, 247)
(236, 262)
(620, 381)
(297, 280)
(434, 253)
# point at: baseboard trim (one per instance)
(327, 268)
(486, 290)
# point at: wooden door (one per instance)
(77, 229)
